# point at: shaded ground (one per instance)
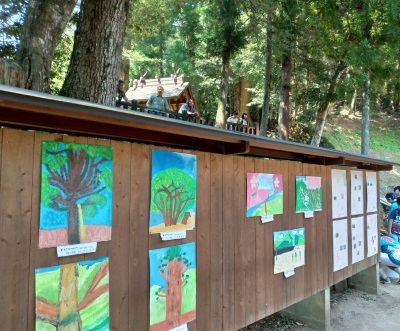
(350, 310)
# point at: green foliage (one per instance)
(48, 192)
(180, 187)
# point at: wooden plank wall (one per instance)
(236, 285)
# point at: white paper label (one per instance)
(76, 249)
(180, 328)
(308, 214)
(173, 235)
(289, 273)
(265, 219)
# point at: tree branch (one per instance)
(46, 311)
(93, 296)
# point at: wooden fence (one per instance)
(236, 285)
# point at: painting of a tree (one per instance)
(172, 286)
(76, 194)
(289, 249)
(173, 192)
(73, 296)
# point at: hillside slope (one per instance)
(343, 132)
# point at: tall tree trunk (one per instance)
(242, 98)
(68, 299)
(223, 95)
(326, 104)
(353, 101)
(45, 21)
(174, 293)
(284, 99)
(73, 224)
(365, 115)
(96, 57)
(267, 86)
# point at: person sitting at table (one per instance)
(188, 108)
(157, 100)
(234, 119)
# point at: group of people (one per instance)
(234, 119)
(156, 100)
(390, 238)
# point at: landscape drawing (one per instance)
(289, 249)
(372, 192)
(172, 286)
(372, 235)
(173, 192)
(76, 194)
(73, 296)
(264, 194)
(308, 194)
(357, 192)
(340, 245)
(339, 193)
(357, 239)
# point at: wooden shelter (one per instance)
(176, 91)
(236, 284)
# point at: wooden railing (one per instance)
(199, 120)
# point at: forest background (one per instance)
(289, 64)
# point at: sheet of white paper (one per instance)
(76, 249)
(340, 244)
(372, 192)
(339, 193)
(180, 328)
(357, 239)
(372, 235)
(308, 214)
(265, 219)
(173, 235)
(357, 192)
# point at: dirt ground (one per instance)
(350, 310)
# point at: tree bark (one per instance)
(96, 57)
(174, 293)
(365, 115)
(326, 104)
(267, 87)
(45, 21)
(220, 121)
(284, 98)
(242, 98)
(73, 224)
(69, 319)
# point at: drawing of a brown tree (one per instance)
(74, 180)
(172, 269)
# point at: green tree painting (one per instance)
(73, 296)
(76, 194)
(172, 286)
(173, 192)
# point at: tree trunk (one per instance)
(221, 112)
(365, 116)
(284, 98)
(267, 87)
(326, 104)
(68, 299)
(45, 21)
(73, 224)
(353, 101)
(174, 293)
(96, 57)
(242, 98)
(168, 219)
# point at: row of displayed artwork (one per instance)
(265, 193)
(76, 193)
(341, 240)
(76, 295)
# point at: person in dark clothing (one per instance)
(120, 94)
